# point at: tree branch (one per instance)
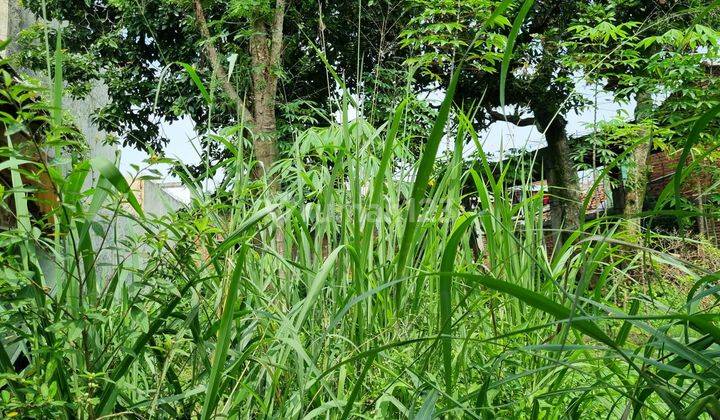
(219, 71)
(277, 32)
(513, 119)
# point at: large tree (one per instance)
(539, 89)
(636, 48)
(258, 59)
(656, 53)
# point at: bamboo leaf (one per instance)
(445, 291)
(224, 336)
(519, 19)
(196, 79)
(425, 167)
(111, 173)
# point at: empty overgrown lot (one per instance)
(381, 266)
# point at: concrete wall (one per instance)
(13, 19)
(156, 201)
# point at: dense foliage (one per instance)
(365, 275)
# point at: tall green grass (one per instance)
(394, 297)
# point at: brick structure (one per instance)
(663, 167)
(694, 187)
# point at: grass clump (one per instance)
(355, 288)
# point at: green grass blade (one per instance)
(378, 182)
(359, 383)
(427, 410)
(58, 80)
(109, 393)
(110, 172)
(542, 303)
(445, 290)
(196, 79)
(677, 363)
(519, 19)
(224, 336)
(421, 181)
(626, 326)
(316, 287)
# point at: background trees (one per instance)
(644, 51)
(538, 90)
(657, 54)
(266, 62)
(391, 289)
(258, 60)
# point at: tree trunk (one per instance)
(562, 177)
(264, 89)
(265, 50)
(637, 177)
(265, 53)
(243, 115)
(617, 191)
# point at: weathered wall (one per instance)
(13, 19)
(663, 167)
(153, 199)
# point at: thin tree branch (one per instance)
(513, 119)
(277, 32)
(243, 113)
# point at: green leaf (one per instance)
(542, 303)
(111, 173)
(359, 383)
(58, 80)
(196, 79)
(140, 318)
(316, 287)
(445, 290)
(427, 411)
(224, 336)
(519, 19)
(378, 182)
(422, 177)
